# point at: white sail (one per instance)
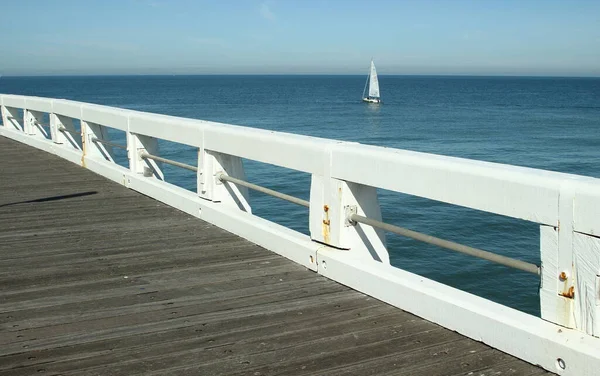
(373, 82)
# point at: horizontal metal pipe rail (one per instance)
(169, 161)
(258, 188)
(69, 131)
(480, 253)
(108, 143)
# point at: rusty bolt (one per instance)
(570, 294)
(562, 276)
(326, 208)
(326, 222)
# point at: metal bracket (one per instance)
(218, 175)
(348, 211)
(148, 171)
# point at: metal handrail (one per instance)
(108, 143)
(480, 253)
(69, 131)
(169, 161)
(258, 188)
(499, 259)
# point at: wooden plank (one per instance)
(113, 282)
(93, 354)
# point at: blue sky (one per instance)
(480, 37)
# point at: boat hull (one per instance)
(372, 100)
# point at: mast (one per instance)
(367, 82)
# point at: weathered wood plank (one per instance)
(96, 279)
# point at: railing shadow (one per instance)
(52, 198)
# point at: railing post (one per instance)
(331, 201)
(556, 305)
(55, 134)
(586, 250)
(58, 122)
(5, 120)
(137, 145)
(570, 288)
(93, 149)
(210, 165)
(579, 308)
(28, 120)
(558, 274)
(33, 121)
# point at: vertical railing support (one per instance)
(55, 134)
(586, 250)
(95, 150)
(570, 288)
(137, 145)
(210, 165)
(558, 275)
(5, 117)
(28, 120)
(579, 307)
(556, 306)
(32, 121)
(67, 137)
(331, 201)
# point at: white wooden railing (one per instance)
(346, 175)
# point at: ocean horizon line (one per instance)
(91, 75)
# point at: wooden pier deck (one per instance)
(96, 279)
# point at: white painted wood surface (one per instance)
(345, 177)
(138, 145)
(91, 148)
(212, 188)
(34, 121)
(554, 307)
(64, 133)
(587, 288)
(18, 101)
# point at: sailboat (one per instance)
(373, 85)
